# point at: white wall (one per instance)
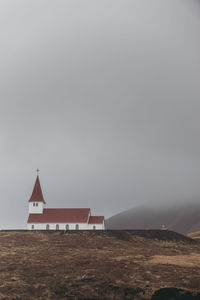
(37, 209)
(62, 226)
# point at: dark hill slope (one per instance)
(181, 218)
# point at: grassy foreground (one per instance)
(96, 265)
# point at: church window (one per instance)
(47, 227)
(36, 204)
(67, 226)
(32, 227)
(57, 227)
(94, 227)
(77, 227)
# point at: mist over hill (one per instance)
(183, 218)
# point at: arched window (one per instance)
(94, 227)
(47, 227)
(32, 227)
(33, 203)
(36, 204)
(77, 227)
(67, 227)
(57, 226)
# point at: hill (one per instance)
(182, 218)
(96, 264)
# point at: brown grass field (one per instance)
(96, 265)
(195, 235)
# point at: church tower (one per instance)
(36, 202)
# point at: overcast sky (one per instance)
(104, 98)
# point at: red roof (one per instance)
(37, 195)
(61, 215)
(96, 220)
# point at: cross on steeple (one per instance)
(38, 171)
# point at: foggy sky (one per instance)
(104, 98)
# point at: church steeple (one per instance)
(36, 202)
(37, 195)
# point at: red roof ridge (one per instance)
(37, 195)
(68, 208)
(96, 220)
(60, 215)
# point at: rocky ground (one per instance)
(96, 265)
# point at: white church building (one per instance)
(42, 218)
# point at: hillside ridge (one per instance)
(182, 218)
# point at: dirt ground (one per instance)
(95, 264)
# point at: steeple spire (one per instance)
(37, 195)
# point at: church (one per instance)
(42, 218)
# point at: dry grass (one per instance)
(194, 235)
(190, 261)
(92, 265)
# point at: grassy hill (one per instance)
(182, 218)
(96, 264)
